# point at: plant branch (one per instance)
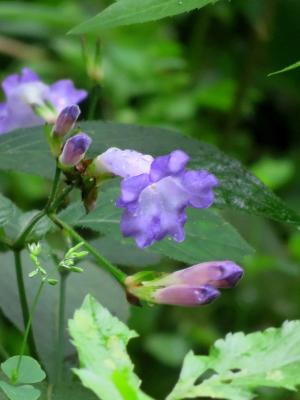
(23, 301)
(29, 327)
(61, 326)
(102, 261)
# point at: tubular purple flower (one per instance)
(156, 192)
(74, 149)
(186, 295)
(26, 95)
(220, 274)
(66, 120)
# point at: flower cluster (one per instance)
(30, 102)
(193, 286)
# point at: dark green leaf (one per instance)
(27, 151)
(93, 280)
(127, 12)
(208, 236)
(30, 370)
(7, 210)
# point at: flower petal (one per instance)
(171, 164)
(186, 295)
(199, 185)
(63, 94)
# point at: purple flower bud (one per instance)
(220, 274)
(66, 120)
(186, 295)
(74, 149)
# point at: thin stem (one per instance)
(28, 327)
(20, 241)
(60, 198)
(23, 300)
(61, 326)
(102, 261)
(54, 188)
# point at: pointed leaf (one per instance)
(127, 12)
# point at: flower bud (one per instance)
(186, 295)
(220, 274)
(74, 149)
(66, 120)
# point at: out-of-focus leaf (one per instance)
(92, 280)
(207, 235)
(168, 349)
(101, 341)
(26, 150)
(286, 69)
(20, 392)
(30, 370)
(274, 173)
(7, 210)
(242, 363)
(127, 12)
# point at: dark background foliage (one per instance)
(205, 74)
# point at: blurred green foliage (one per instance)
(204, 73)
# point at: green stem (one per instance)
(54, 188)
(61, 327)
(60, 198)
(23, 300)
(20, 241)
(28, 327)
(103, 262)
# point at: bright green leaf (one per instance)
(26, 150)
(20, 392)
(101, 341)
(30, 370)
(127, 12)
(286, 69)
(242, 363)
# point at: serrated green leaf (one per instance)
(30, 370)
(286, 69)
(207, 235)
(127, 12)
(7, 210)
(101, 341)
(242, 363)
(26, 150)
(20, 392)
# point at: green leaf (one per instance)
(20, 392)
(7, 210)
(208, 236)
(242, 363)
(127, 12)
(93, 280)
(30, 370)
(26, 150)
(286, 69)
(101, 341)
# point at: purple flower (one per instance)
(220, 274)
(186, 295)
(26, 96)
(74, 149)
(156, 192)
(66, 120)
